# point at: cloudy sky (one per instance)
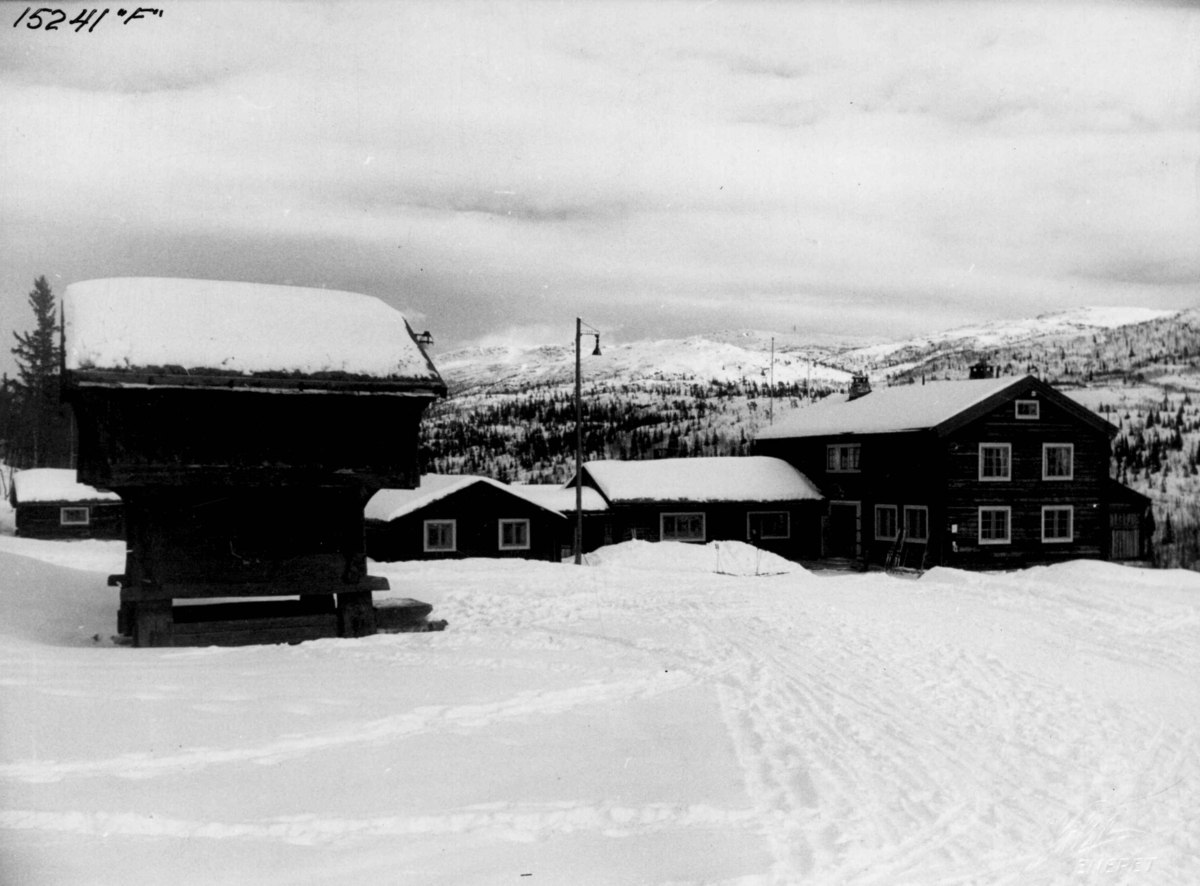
(659, 168)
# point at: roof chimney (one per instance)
(860, 386)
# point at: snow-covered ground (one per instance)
(642, 720)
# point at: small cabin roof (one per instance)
(46, 485)
(391, 504)
(751, 478)
(917, 407)
(560, 498)
(181, 331)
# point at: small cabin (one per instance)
(244, 426)
(761, 500)
(52, 503)
(982, 473)
(449, 517)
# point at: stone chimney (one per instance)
(860, 386)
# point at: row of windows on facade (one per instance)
(995, 460)
(513, 535)
(995, 523)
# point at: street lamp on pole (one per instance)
(579, 333)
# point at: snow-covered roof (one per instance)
(237, 328)
(391, 504)
(900, 408)
(753, 478)
(560, 498)
(55, 484)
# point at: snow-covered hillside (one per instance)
(641, 721)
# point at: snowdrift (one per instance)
(723, 557)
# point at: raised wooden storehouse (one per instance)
(985, 473)
(52, 503)
(757, 499)
(449, 517)
(244, 426)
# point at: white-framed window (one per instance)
(995, 461)
(842, 458)
(1058, 461)
(1029, 410)
(886, 525)
(440, 535)
(514, 535)
(1058, 524)
(916, 523)
(768, 524)
(995, 526)
(74, 516)
(682, 526)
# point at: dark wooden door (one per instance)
(841, 539)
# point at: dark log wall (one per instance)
(477, 511)
(1026, 492)
(172, 436)
(43, 520)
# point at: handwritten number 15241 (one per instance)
(55, 17)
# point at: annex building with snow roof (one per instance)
(52, 503)
(980, 473)
(760, 499)
(452, 516)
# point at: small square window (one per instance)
(74, 516)
(995, 526)
(439, 535)
(1029, 410)
(1058, 461)
(514, 535)
(768, 524)
(1058, 524)
(886, 525)
(995, 461)
(916, 523)
(682, 527)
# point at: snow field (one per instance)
(639, 720)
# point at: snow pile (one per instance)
(55, 484)
(752, 478)
(612, 725)
(723, 557)
(236, 328)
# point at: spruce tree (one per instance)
(40, 433)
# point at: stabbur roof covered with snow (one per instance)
(391, 504)
(717, 479)
(914, 407)
(181, 332)
(45, 485)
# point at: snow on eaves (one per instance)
(560, 498)
(901, 408)
(722, 478)
(55, 484)
(391, 504)
(236, 328)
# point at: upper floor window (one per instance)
(768, 524)
(842, 458)
(74, 517)
(995, 461)
(916, 523)
(1058, 461)
(439, 535)
(1029, 409)
(514, 535)
(682, 527)
(886, 526)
